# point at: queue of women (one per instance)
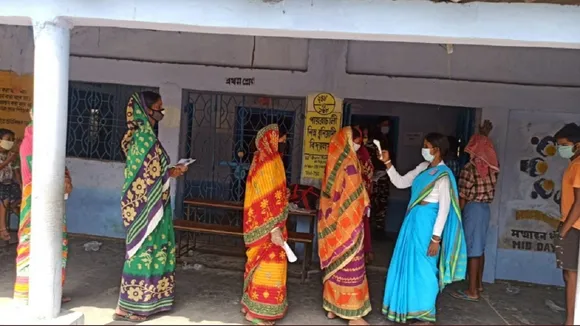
(430, 251)
(429, 254)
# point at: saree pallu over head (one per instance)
(146, 186)
(343, 202)
(265, 208)
(412, 280)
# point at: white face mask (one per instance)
(426, 152)
(6, 144)
(356, 147)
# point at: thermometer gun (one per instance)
(289, 253)
(378, 144)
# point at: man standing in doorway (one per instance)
(477, 182)
(566, 244)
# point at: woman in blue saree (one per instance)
(430, 251)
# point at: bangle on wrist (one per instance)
(435, 240)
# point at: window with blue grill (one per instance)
(96, 119)
(250, 120)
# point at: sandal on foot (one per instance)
(129, 317)
(65, 300)
(330, 315)
(463, 296)
(258, 321)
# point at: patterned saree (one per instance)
(148, 279)
(265, 208)
(23, 249)
(367, 171)
(343, 202)
(414, 279)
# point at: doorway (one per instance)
(385, 129)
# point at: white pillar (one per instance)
(51, 71)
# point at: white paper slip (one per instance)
(289, 253)
(186, 161)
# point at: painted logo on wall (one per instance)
(530, 196)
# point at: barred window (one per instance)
(96, 119)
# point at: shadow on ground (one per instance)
(209, 293)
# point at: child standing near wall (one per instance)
(566, 244)
(9, 180)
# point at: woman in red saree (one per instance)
(265, 214)
(343, 204)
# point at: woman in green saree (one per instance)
(148, 279)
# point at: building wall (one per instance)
(495, 79)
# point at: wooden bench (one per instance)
(194, 227)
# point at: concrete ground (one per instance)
(208, 292)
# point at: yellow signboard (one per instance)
(15, 101)
(323, 120)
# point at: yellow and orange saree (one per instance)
(265, 208)
(343, 202)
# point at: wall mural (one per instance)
(532, 172)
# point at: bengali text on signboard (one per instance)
(323, 120)
(15, 101)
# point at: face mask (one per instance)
(157, 115)
(281, 148)
(6, 144)
(566, 151)
(356, 147)
(385, 129)
(426, 152)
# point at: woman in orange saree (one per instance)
(343, 203)
(265, 214)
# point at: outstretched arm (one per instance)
(404, 181)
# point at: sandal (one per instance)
(129, 317)
(258, 321)
(65, 300)
(463, 296)
(5, 235)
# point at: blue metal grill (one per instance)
(96, 119)
(219, 132)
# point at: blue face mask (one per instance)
(426, 152)
(566, 151)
